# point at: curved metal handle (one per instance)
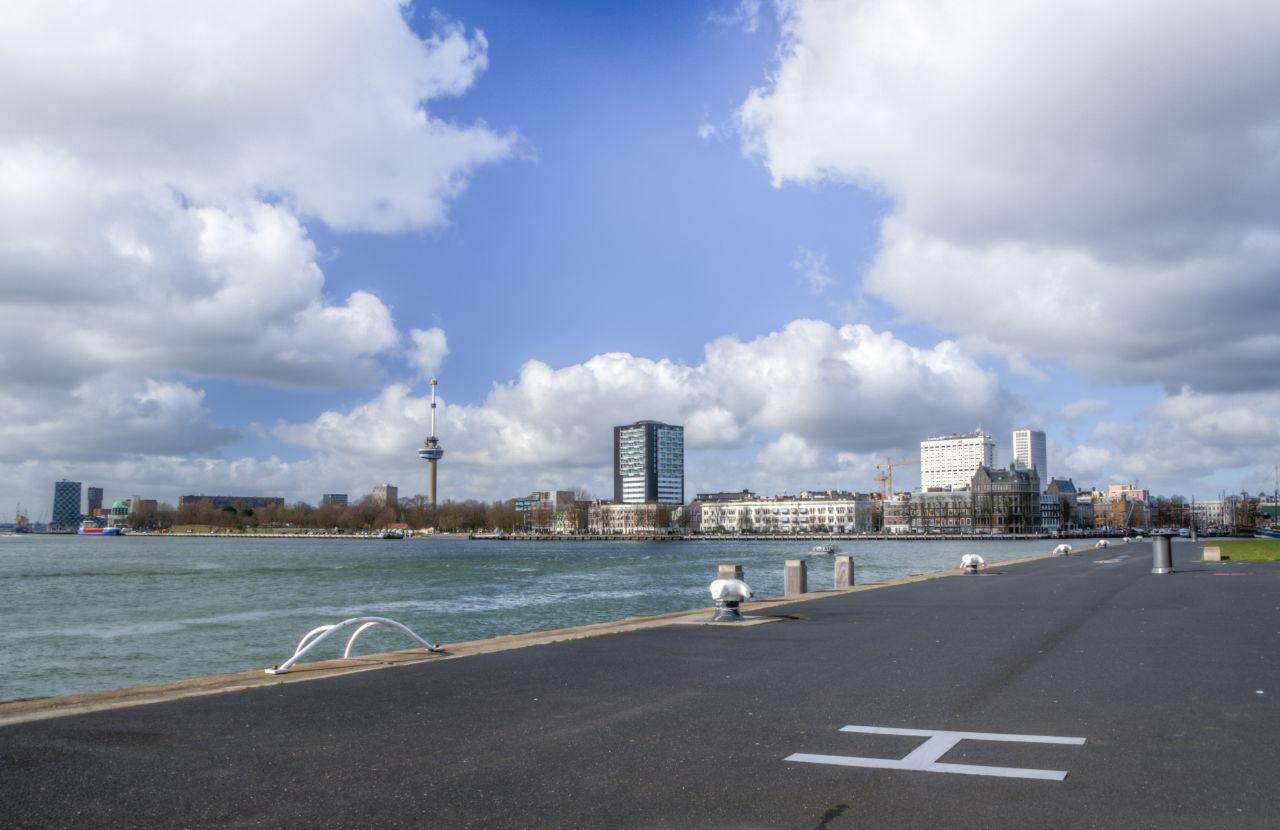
(318, 635)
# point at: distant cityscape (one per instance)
(963, 490)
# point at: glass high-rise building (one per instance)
(648, 463)
(95, 499)
(66, 504)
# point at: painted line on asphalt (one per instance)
(924, 758)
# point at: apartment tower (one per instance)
(1029, 452)
(948, 462)
(648, 463)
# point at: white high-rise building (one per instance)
(948, 462)
(1029, 452)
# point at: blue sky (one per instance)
(815, 233)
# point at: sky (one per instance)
(237, 239)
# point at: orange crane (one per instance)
(886, 478)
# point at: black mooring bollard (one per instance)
(1162, 554)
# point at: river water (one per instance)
(80, 614)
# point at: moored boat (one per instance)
(90, 528)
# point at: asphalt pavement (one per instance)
(1170, 681)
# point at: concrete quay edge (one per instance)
(44, 708)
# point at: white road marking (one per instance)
(924, 758)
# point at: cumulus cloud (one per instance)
(1057, 174)
(822, 394)
(159, 164)
(1084, 408)
(1185, 439)
(109, 418)
(428, 350)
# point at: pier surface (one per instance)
(1171, 681)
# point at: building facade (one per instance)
(948, 512)
(553, 511)
(238, 502)
(648, 463)
(808, 513)
(948, 462)
(1006, 500)
(1130, 492)
(94, 495)
(613, 519)
(1030, 452)
(66, 505)
(333, 500)
(386, 494)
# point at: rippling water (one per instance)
(81, 614)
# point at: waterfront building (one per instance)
(1029, 452)
(94, 495)
(948, 462)
(1050, 513)
(613, 519)
(1006, 500)
(1084, 516)
(66, 505)
(553, 511)
(333, 500)
(1234, 512)
(648, 463)
(807, 513)
(1069, 516)
(119, 516)
(238, 502)
(736, 495)
(386, 494)
(897, 513)
(940, 511)
(1130, 492)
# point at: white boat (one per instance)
(825, 549)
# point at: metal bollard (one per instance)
(730, 572)
(1162, 554)
(795, 578)
(844, 572)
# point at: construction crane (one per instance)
(886, 478)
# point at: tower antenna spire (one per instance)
(431, 452)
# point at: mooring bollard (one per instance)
(1162, 555)
(844, 572)
(795, 578)
(729, 572)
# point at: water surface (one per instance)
(81, 614)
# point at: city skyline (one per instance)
(578, 214)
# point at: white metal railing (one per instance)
(316, 636)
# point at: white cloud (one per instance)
(1059, 175)
(787, 455)
(1084, 408)
(429, 349)
(107, 418)
(158, 165)
(157, 162)
(746, 15)
(830, 392)
(1185, 440)
(812, 267)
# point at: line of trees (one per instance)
(452, 516)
